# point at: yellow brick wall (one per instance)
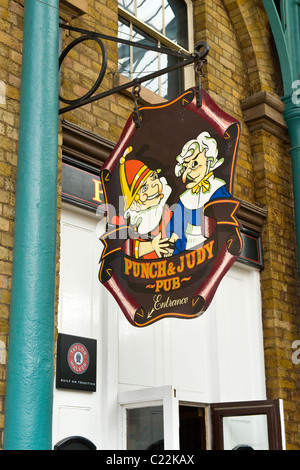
(227, 79)
(279, 279)
(81, 67)
(240, 64)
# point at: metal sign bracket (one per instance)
(197, 58)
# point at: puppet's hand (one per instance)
(160, 245)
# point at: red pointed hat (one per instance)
(133, 174)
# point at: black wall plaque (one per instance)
(76, 362)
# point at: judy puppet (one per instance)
(195, 165)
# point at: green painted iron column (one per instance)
(29, 387)
(292, 117)
(285, 25)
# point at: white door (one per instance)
(82, 302)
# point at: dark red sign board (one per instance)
(172, 232)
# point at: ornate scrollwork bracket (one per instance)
(197, 58)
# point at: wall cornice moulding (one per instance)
(265, 111)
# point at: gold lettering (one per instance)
(176, 283)
(171, 269)
(190, 263)
(181, 267)
(201, 255)
(98, 191)
(167, 284)
(153, 275)
(162, 272)
(209, 248)
(145, 267)
(128, 265)
(136, 269)
(159, 285)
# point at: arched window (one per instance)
(159, 23)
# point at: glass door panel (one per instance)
(149, 419)
(145, 428)
(253, 425)
(245, 432)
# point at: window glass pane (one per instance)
(150, 11)
(176, 22)
(144, 61)
(124, 49)
(128, 5)
(172, 82)
(246, 430)
(169, 17)
(145, 428)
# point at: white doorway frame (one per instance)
(170, 398)
(165, 396)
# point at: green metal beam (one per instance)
(292, 118)
(279, 32)
(30, 368)
(286, 32)
(292, 34)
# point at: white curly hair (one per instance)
(204, 141)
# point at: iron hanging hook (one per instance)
(136, 113)
(201, 54)
(198, 70)
(200, 58)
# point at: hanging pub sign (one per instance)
(172, 232)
